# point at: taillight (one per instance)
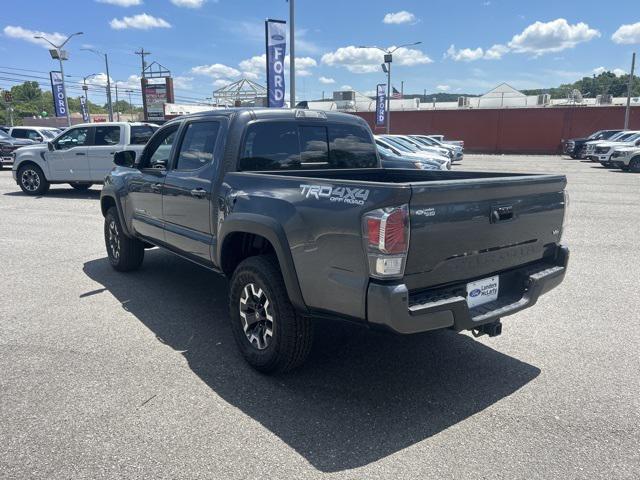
(386, 233)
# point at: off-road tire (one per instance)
(32, 181)
(292, 334)
(634, 165)
(125, 253)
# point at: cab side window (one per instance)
(76, 137)
(158, 150)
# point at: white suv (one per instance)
(626, 158)
(37, 134)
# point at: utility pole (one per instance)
(130, 105)
(143, 81)
(117, 110)
(292, 55)
(402, 89)
(629, 87)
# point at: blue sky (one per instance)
(467, 46)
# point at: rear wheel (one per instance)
(271, 335)
(634, 165)
(31, 180)
(125, 253)
(81, 187)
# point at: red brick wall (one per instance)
(513, 130)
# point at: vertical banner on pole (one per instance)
(381, 105)
(85, 110)
(57, 88)
(276, 44)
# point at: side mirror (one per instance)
(125, 158)
(50, 146)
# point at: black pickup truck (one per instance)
(293, 207)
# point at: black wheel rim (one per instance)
(256, 316)
(30, 180)
(113, 238)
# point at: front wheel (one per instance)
(125, 253)
(634, 165)
(31, 180)
(81, 187)
(271, 335)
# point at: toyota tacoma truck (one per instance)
(293, 207)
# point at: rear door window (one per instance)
(271, 146)
(106, 135)
(197, 145)
(140, 134)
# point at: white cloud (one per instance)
(183, 83)
(618, 72)
(599, 70)
(399, 17)
(627, 34)
(133, 83)
(368, 60)
(540, 38)
(122, 3)
(28, 35)
(464, 54)
(188, 3)
(443, 88)
(496, 52)
(216, 70)
(346, 87)
(326, 80)
(221, 82)
(141, 21)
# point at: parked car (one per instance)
(441, 139)
(403, 150)
(37, 134)
(457, 151)
(603, 150)
(4, 128)
(8, 147)
(410, 142)
(575, 147)
(390, 160)
(626, 158)
(293, 207)
(80, 156)
(589, 147)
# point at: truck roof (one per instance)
(112, 124)
(278, 113)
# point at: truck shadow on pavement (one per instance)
(66, 193)
(360, 397)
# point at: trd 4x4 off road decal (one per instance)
(353, 196)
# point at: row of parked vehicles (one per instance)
(611, 148)
(12, 138)
(83, 154)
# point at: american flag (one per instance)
(395, 93)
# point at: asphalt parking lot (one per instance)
(108, 375)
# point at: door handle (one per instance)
(156, 187)
(199, 193)
(112, 153)
(80, 153)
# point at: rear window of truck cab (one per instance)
(292, 146)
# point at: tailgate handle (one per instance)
(501, 214)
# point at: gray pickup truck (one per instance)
(293, 207)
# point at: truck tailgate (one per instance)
(467, 229)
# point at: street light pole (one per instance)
(58, 49)
(629, 88)
(85, 88)
(388, 58)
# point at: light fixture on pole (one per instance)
(386, 68)
(106, 65)
(85, 87)
(58, 54)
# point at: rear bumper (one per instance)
(394, 307)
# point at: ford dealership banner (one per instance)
(85, 110)
(57, 88)
(381, 104)
(276, 49)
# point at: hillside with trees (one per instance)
(590, 87)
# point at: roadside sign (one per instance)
(8, 98)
